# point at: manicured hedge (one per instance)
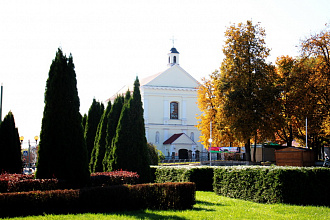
(25, 183)
(306, 186)
(202, 176)
(99, 199)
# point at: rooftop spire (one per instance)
(173, 41)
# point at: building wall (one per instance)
(156, 103)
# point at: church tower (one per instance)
(173, 57)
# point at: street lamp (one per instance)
(36, 139)
(210, 141)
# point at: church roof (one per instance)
(172, 138)
(163, 79)
(173, 50)
(180, 138)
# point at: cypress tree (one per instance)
(129, 151)
(84, 121)
(62, 148)
(98, 152)
(93, 119)
(113, 119)
(10, 157)
(127, 96)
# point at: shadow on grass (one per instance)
(142, 214)
(208, 204)
(199, 202)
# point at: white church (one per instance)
(170, 109)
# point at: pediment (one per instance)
(174, 76)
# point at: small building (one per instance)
(294, 156)
(264, 152)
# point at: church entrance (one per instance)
(183, 154)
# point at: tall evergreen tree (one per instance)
(62, 148)
(113, 119)
(129, 150)
(98, 152)
(93, 119)
(10, 157)
(84, 121)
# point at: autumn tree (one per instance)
(212, 119)
(62, 150)
(317, 47)
(247, 84)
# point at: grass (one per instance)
(210, 206)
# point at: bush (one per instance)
(114, 178)
(99, 199)
(201, 176)
(294, 185)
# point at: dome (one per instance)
(173, 50)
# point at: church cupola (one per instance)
(173, 57)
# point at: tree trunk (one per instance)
(247, 150)
(255, 148)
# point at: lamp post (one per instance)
(36, 139)
(21, 138)
(210, 141)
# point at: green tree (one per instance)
(93, 119)
(84, 121)
(10, 157)
(153, 154)
(62, 148)
(247, 83)
(129, 150)
(113, 119)
(98, 152)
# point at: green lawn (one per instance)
(210, 206)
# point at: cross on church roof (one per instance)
(173, 40)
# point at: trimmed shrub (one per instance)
(294, 185)
(99, 199)
(24, 183)
(114, 178)
(201, 176)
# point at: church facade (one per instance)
(170, 109)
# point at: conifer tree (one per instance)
(62, 149)
(129, 150)
(98, 152)
(10, 157)
(93, 119)
(84, 121)
(113, 119)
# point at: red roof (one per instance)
(172, 138)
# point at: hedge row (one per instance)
(294, 185)
(25, 183)
(99, 199)
(202, 176)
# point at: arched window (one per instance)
(174, 110)
(174, 59)
(157, 138)
(169, 59)
(192, 136)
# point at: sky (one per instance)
(112, 42)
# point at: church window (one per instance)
(192, 136)
(174, 59)
(169, 59)
(157, 137)
(174, 110)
